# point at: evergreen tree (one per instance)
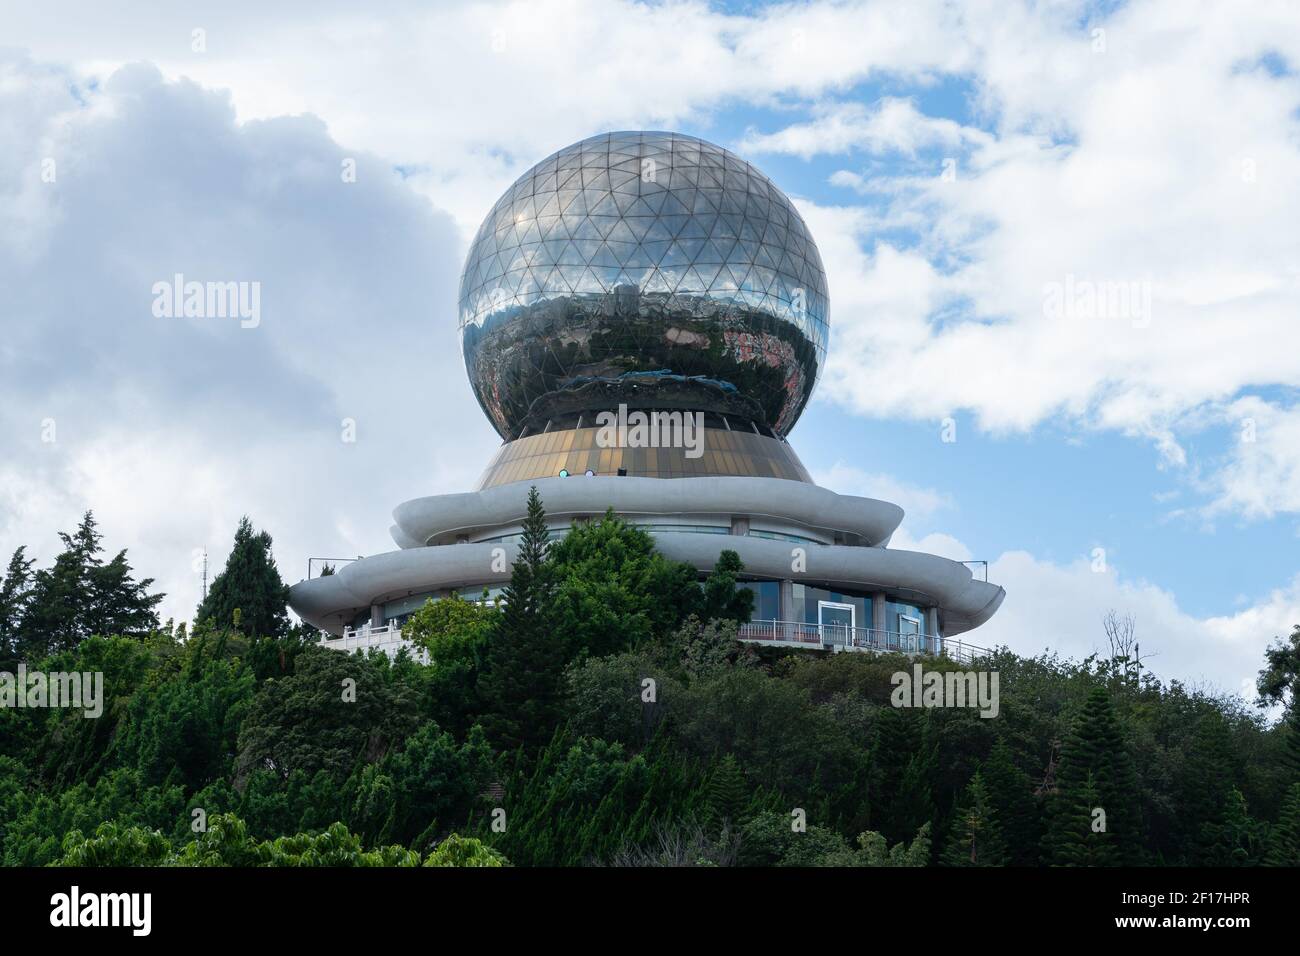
(1011, 796)
(520, 684)
(1284, 837)
(249, 584)
(728, 794)
(80, 595)
(975, 838)
(720, 597)
(1234, 841)
(1205, 786)
(1095, 773)
(15, 594)
(1291, 756)
(613, 590)
(901, 776)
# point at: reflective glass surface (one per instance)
(578, 449)
(652, 268)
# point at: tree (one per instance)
(1281, 670)
(728, 794)
(15, 594)
(975, 838)
(1095, 774)
(248, 595)
(721, 599)
(874, 851)
(1011, 796)
(114, 845)
(456, 634)
(1235, 841)
(901, 781)
(1291, 757)
(334, 711)
(613, 590)
(520, 685)
(464, 851)
(1205, 787)
(186, 728)
(1283, 847)
(706, 649)
(79, 596)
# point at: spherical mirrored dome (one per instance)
(649, 268)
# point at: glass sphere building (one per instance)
(643, 317)
(646, 267)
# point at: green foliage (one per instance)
(976, 836)
(248, 594)
(114, 845)
(1011, 799)
(609, 712)
(520, 685)
(332, 712)
(1284, 837)
(613, 590)
(54, 609)
(456, 634)
(773, 839)
(1096, 774)
(464, 851)
(728, 793)
(721, 599)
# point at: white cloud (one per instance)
(1262, 475)
(893, 124)
(169, 429)
(1060, 608)
(1167, 164)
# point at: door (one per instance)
(909, 633)
(836, 622)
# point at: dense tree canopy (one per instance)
(603, 713)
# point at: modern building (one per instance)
(644, 316)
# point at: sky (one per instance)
(1061, 240)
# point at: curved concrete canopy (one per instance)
(331, 602)
(440, 518)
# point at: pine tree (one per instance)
(902, 769)
(728, 794)
(249, 584)
(1284, 837)
(519, 688)
(975, 838)
(1234, 841)
(15, 595)
(1011, 795)
(1205, 784)
(1291, 756)
(1095, 773)
(80, 595)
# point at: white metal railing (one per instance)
(388, 638)
(857, 639)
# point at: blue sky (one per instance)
(1128, 144)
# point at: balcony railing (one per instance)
(387, 638)
(800, 634)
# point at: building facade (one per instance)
(643, 318)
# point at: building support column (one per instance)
(878, 611)
(785, 602)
